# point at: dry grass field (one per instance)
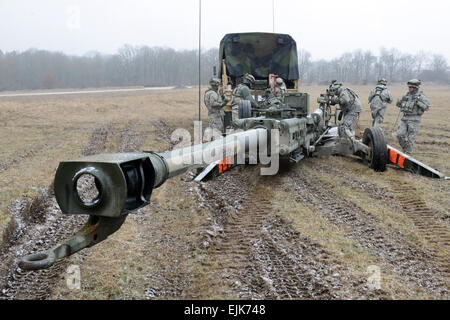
(315, 231)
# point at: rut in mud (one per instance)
(31, 151)
(97, 143)
(48, 227)
(416, 265)
(432, 225)
(18, 156)
(260, 254)
(406, 199)
(40, 227)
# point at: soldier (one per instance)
(214, 104)
(280, 89)
(242, 92)
(413, 105)
(378, 99)
(350, 106)
(228, 108)
(270, 99)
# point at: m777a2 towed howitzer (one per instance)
(286, 131)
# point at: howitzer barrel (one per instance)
(124, 181)
(181, 160)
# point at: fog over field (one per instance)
(325, 28)
(82, 44)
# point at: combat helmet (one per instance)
(335, 85)
(382, 81)
(214, 82)
(248, 78)
(414, 83)
(279, 81)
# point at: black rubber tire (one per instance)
(374, 138)
(245, 109)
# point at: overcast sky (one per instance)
(325, 28)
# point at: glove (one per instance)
(334, 100)
(321, 100)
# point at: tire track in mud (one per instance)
(164, 132)
(260, 254)
(130, 138)
(168, 281)
(98, 139)
(97, 143)
(18, 156)
(390, 198)
(33, 150)
(39, 228)
(433, 143)
(427, 221)
(441, 128)
(51, 228)
(404, 198)
(436, 136)
(374, 191)
(415, 265)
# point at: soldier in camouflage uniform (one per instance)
(350, 106)
(379, 97)
(228, 108)
(413, 105)
(214, 104)
(242, 92)
(280, 89)
(270, 99)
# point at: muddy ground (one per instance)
(314, 231)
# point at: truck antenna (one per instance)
(273, 16)
(199, 58)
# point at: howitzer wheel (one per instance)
(245, 109)
(374, 138)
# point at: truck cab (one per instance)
(266, 56)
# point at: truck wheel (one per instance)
(245, 109)
(375, 140)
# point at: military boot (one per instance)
(402, 142)
(408, 148)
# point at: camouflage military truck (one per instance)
(261, 55)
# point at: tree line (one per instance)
(130, 66)
(156, 66)
(362, 67)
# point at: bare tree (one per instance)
(157, 66)
(390, 60)
(304, 64)
(368, 62)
